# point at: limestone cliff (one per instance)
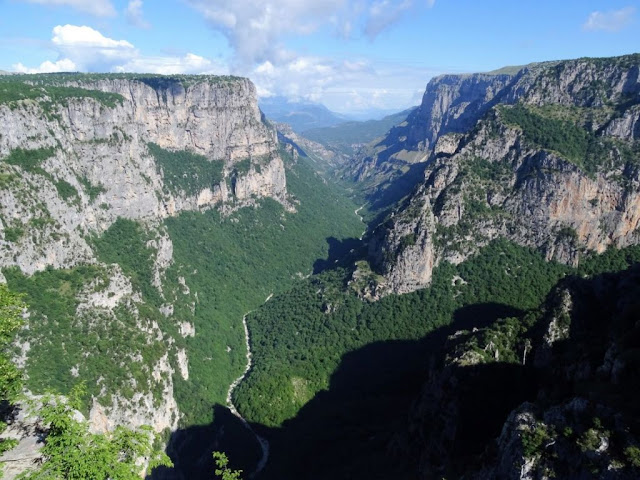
(547, 157)
(77, 153)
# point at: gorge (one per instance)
(483, 326)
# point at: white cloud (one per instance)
(81, 48)
(134, 14)
(187, 64)
(64, 65)
(611, 21)
(254, 29)
(89, 49)
(99, 8)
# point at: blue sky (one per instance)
(352, 55)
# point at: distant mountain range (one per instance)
(344, 136)
(300, 115)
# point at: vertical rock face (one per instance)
(549, 159)
(453, 103)
(76, 156)
(105, 146)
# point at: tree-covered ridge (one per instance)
(186, 172)
(156, 81)
(50, 93)
(569, 132)
(57, 88)
(299, 338)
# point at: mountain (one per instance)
(300, 115)
(569, 410)
(344, 136)
(202, 274)
(140, 217)
(500, 250)
(547, 157)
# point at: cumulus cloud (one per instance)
(89, 49)
(254, 29)
(611, 21)
(134, 14)
(64, 65)
(99, 8)
(81, 48)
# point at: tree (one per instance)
(72, 452)
(11, 308)
(223, 471)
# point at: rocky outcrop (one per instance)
(104, 148)
(77, 157)
(505, 179)
(486, 411)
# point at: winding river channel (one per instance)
(264, 444)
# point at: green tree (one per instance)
(11, 308)
(72, 452)
(224, 471)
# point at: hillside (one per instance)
(346, 137)
(528, 178)
(142, 216)
(483, 326)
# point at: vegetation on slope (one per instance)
(565, 130)
(187, 172)
(11, 307)
(14, 88)
(29, 160)
(71, 452)
(95, 349)
(156, 81)
(299, 338)
(234, 263)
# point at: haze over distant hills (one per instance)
(300, 115)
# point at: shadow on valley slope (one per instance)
(191, 448)
(394, 189)
(359, 428)
(341, 253)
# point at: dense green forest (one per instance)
(300, 337)
(229, 263)
(235, 262)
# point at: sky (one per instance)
(353, 56)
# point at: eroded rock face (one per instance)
(97, 167)
(494, 181)
(106, 147)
